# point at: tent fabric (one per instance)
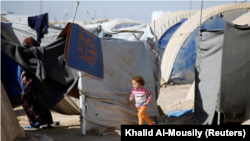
(53, 80)
(183, 33)
(68, 105)
(161, 25)
(10, 127)
(142, 33)
(243, 20)
(107, 101)
(234, 94)
(163, 41)
(83, 50)
(190, 94)
(19, 25)
(207, 75)
(114, 24)
(11, 85)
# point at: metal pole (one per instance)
(218, 122)
(75, 11)
(41, 7)
(190, 5)
(82, 83)
(201, 14)
(154, 26)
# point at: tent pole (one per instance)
(82, 106)
(218, 122)
(201, 13)
(82, 115)
(75, 11)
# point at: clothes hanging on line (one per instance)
(40, 23)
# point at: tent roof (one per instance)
(170, 19)
(243, 20)
(3, 19)
(112, 23)
(18, 25)
(184, 31)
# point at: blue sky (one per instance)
(136, 10)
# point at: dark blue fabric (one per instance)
(87, 57)
(168, 35)
(184, 65)
(9, 78)
(40, 24)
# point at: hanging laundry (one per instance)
(39, 23)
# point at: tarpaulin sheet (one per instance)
(83, 50)
(207, 75)
(235, 76)
(53, 79)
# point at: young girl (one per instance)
(142, 97)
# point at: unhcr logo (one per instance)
(86, 47)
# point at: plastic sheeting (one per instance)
(207, 75)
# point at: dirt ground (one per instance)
(170, 98)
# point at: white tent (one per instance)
(187, 34)
(168, 20)
(243, 20)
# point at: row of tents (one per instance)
(193, 54)
(178, 32)
(106, 100)
(167, 48)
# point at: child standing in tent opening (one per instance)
(29, 98)
(142, 97)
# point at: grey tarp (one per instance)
(235, 78)
(107, 100)
(207, 75)
(131, 51)
(53, 80)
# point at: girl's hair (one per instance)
(139, 79)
